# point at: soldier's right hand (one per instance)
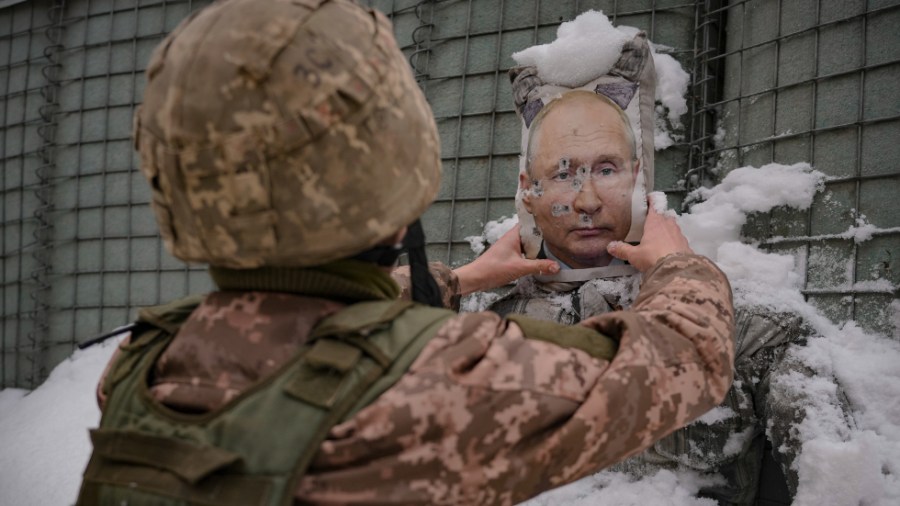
(662, 237)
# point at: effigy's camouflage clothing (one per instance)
(484, 415)
(729, 440)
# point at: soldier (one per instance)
(287, 145)
(579, 215)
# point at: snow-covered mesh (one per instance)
(816, 82)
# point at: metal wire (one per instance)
(43, 231)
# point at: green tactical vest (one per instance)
(252, 450)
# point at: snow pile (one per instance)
(44, 434)
(584, 49)
(719, 218)
(840, 463)
(588, 47)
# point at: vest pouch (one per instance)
(246, 454)
(185, 460)
(140, 468)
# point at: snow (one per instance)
(716, 415)
(719, 218)
(588, 47)
(664, 487)
(661, 204)
(493, 230)
(584, 48)
(44, 434)
(478, 301)
(671, 86)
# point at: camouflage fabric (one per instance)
(445, 278)
(207, 365)
(483, 415)
(730, 440)
(270, 137)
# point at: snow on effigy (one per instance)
(589, 46)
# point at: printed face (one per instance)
(581, 181)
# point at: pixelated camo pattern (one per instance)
(486, 416)
(284, 133)
(758, 404)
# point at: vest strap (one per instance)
(134, 480)
(190, 462)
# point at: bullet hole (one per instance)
(560, 209)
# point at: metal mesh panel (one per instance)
(80, 246)
(108, 259)
(21, 61)
(815, 81)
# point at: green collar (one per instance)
(341, 279)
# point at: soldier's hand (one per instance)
(501, 264)
(662, 237)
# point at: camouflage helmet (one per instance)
(284, 133)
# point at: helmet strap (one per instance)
(384, 256)
(424, 288)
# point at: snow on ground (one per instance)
(665, 487)
(44, 434)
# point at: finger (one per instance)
(548, 266)
(540, 267)
(621, 250)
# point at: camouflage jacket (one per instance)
(728, 440)
(484, 415)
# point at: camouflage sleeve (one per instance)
(446, 280)
(486, 416)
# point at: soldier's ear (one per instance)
(527, 195)
(636, 170)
